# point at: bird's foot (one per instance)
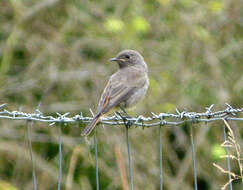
(126, 119)
(129, 123)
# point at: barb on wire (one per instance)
(169, 119)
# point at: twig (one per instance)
(120, 162)
(230, 142)
(228, 161)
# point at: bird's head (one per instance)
(128, 58)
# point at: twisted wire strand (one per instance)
(169, 119)
(161, 119)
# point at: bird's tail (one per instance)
(87, 130)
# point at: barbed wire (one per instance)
(169, 119)
(161, 119)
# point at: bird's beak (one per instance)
(117, 60)
(114, 59)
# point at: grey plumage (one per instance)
(125, 88)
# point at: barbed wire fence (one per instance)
(155, 120)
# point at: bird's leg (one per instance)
(124, 111)
(126, 120)
(123, 117)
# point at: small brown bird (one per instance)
(125, 87)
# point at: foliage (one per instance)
(55, 52)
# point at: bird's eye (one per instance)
(127, 56)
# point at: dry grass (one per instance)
(232, 144)
(56, 52)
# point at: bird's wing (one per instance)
(114, 93)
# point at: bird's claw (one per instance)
(128, 123)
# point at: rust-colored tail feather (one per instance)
(87, 130)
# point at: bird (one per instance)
(125, 88)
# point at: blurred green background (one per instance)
(56, 52)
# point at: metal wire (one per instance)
(60, 157)
(160, 158)
(129, 159)
(161, 119)
(193, 158)
(96, 156)
(29, 126)
(96, 161)
(228, 159)
(140, 121)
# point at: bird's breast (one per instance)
(137, 95)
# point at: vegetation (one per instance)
(55, 53)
